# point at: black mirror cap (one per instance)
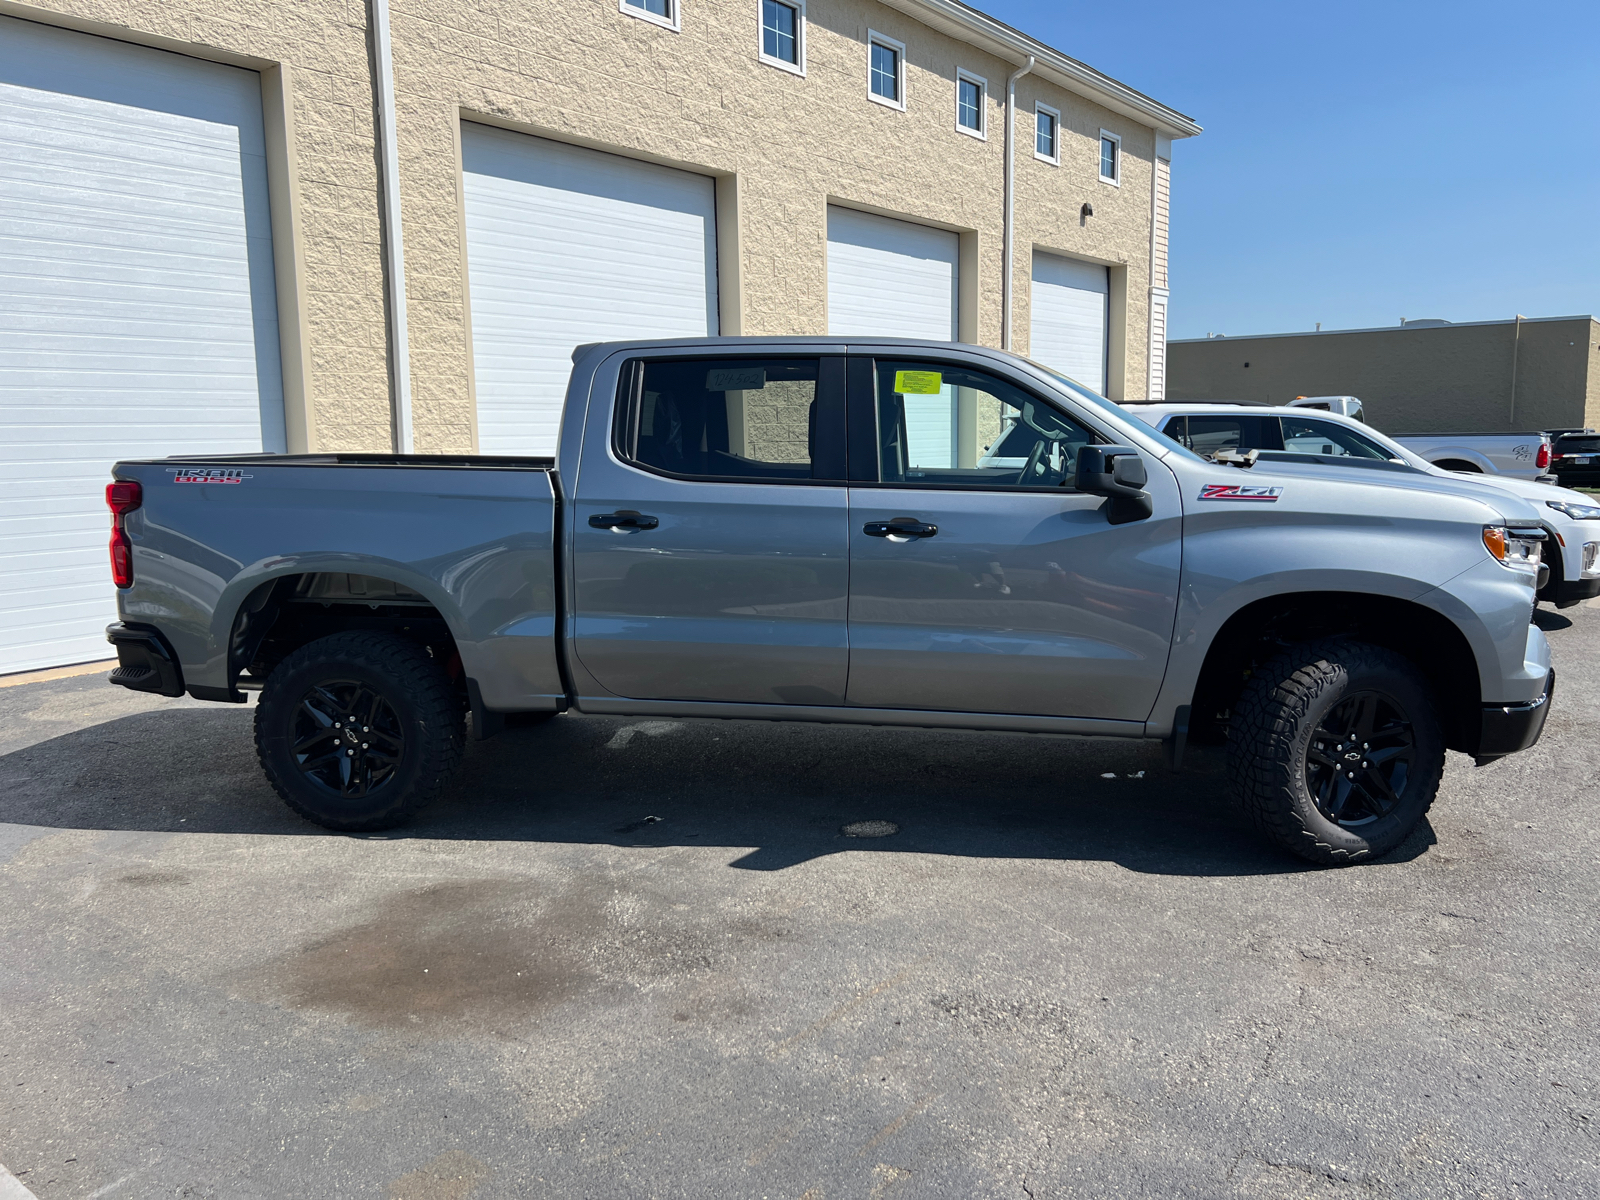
(1129, 471)
(1119, 473)
(1110, 471)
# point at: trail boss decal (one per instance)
(1240, 491)
(208, 475)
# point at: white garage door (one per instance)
(567, 246)
(137, 311)
(1068, 318)
(889, 278)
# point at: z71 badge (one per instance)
(1240, 491)
(208, 475)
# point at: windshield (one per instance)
(1078, 392)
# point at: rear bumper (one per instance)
(1508, 728)
(1573, 477)
(145, 663)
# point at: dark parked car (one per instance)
(1575, 458)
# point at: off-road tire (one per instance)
(1274, 723)
(425, 709)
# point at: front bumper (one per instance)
(1508, 728)
(145, 663)
(1568, 592)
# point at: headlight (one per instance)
(1578, 512)
(1516, 548)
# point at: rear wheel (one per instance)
(1336, 750)
(358, 731)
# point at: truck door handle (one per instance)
(624, 520)
(899, 527)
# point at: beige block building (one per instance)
(366, 225)
(685, 86)
(1423, 377)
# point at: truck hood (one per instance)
(1511, 507)
(1537, 493)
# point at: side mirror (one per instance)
(1118, 473)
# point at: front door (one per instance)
(711, 550)
(981, 581)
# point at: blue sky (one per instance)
(1364, 162)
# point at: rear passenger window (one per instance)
(739, 418)
(1209, 434)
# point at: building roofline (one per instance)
(1256, 337)
(1000, 39)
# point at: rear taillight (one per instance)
(122, 497)
(1543, 460)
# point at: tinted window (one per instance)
(1324, 437)
(737, 418)
(1207, 434)
(943, 424)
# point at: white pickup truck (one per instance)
(1518, 455)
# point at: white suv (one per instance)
(1318, 436)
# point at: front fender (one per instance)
(1204, 608)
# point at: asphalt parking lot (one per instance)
(640, 959)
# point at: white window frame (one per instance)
(674, 23)
(1055, 114)
(982, 131)
(1099, 148)
(794, 68)
(874, 38)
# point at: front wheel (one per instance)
(1336, 750)
(357, 731)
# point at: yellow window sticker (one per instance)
(918, 383)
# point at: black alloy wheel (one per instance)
(359, 730)
(1336, 749)
(348, 738)
(1360, 759)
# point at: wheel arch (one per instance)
(1456, 459)
(285, 611)
(1424, 636)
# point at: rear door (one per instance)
(989, 584)
(711, 552)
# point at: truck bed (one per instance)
(472, 536)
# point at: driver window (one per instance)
(939, 423)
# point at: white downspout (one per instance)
(1009, 235)
(393, 244)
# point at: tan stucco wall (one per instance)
(1452, 378)
(782, 147)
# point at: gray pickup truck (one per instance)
(819, 529)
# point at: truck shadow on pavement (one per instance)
(776, 795)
